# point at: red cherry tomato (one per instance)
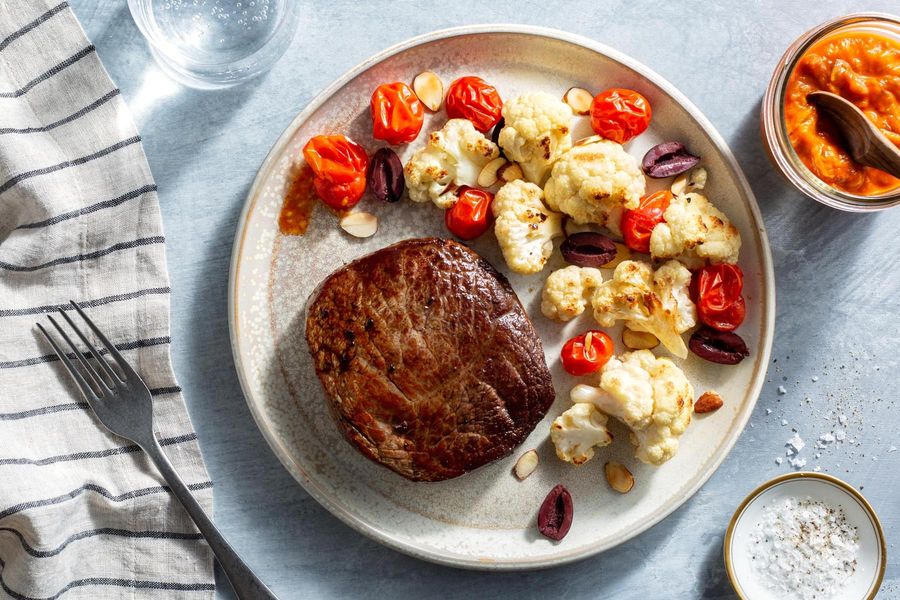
(638, 223)
(619, 114)
(471, 215)
(339, 165)
(716, 291)
(585, 354)
(474, 99)
(397, 113)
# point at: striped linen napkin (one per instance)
(83, 514)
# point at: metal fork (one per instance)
(124, 405)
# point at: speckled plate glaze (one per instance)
(486, 519)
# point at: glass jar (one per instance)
(774, 129)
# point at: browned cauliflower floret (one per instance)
(568, 290)
(536, 132)
(648, 394)
(594, 183)
(656, 302)
(695, 231)
(524, 227)
(453, 157)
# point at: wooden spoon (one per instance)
(867, 145)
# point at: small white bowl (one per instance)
(862, 585)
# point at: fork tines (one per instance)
(92, 384)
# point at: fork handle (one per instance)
(246, 584)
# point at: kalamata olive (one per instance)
(386, 175)
(588, 249)
(722, 347)
(555, 516)
(495, 134)
(668, 159)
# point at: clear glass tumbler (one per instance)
(212, 44)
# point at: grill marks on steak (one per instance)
(431, 366)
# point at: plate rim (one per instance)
(786, 478)
(383, 536)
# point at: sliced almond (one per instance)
(710, 401)
(526, 464)
(571, 227)
(510, 172)
(430, 90)
(697, 179)
(588, 140)
(679, 186)
(488, 175)
(360, 224)
(622, 253)
(579, 99)
(639, 340)
(693, 180)
(619, 477)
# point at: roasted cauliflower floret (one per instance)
(576, 433)
(658, 303)
(568, 290)
(594, 183)
(453, 156)
(648, 394)
(524, 227)
(537, 130)
(695, 231)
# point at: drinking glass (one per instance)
(212, 44)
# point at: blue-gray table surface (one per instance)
(837, 284)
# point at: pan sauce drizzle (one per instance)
(299, 201)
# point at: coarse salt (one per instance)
(804, 549)
(797, 463)
(795, 444)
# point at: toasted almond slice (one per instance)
(588, 140)
(622, 253)
(430, 90)
(579, 99)
(710, 401)
(510, 172)
(693, 180)
(697, 179)
(639, 340)
(360, 224)
(679, 186)
(571, 227)
(619, 477)
(526, 464)
(488, 175)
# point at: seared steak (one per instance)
(431, 366)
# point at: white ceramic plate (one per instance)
(862, 585)
(485, 519)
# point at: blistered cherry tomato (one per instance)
(471, 215)
(339, 165)
(716, 291)
(619, 114)
(585, 354)
(638, 223)
(397, 113)
(474, 99)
